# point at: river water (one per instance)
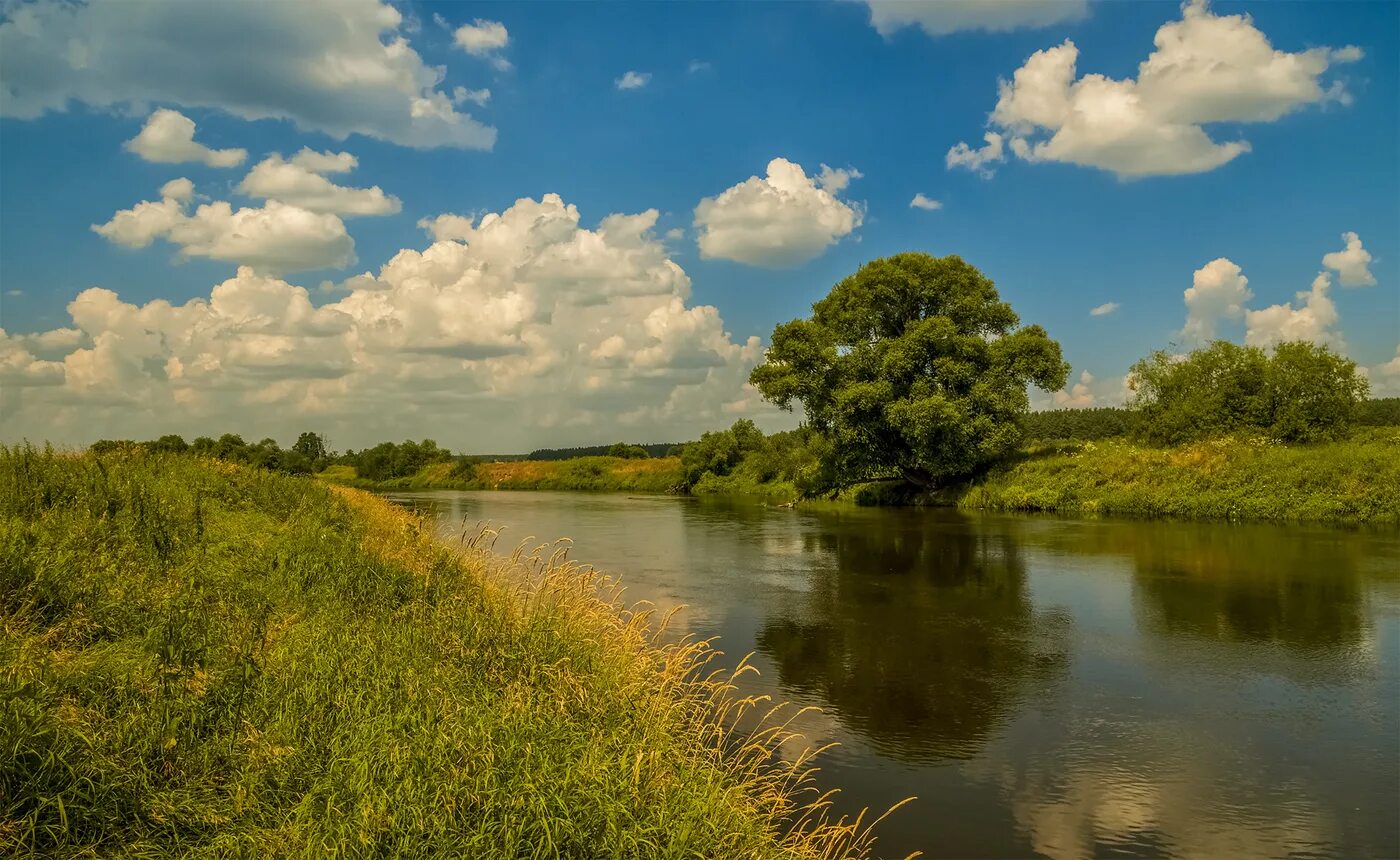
(1045, 687)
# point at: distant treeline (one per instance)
(1381, 412)
(386, 461)
(308, 455)
(619, 449)
(1086, 424)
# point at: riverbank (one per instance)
(589, 474)
(208, 658)
(1352, 481)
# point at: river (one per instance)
(1045, 687)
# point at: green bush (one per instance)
(1301, 393)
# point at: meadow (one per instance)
(207, 659)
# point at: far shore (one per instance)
(1352, 481)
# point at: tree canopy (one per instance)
(1301, 393)
(911, 367)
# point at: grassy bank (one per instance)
(592, 474)
(1356, 480)
(209, 659)
(1352, 481)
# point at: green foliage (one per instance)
(911, 367)
(1086, 424)
(741, 461)
(231, 448)
(1301, 393)
(1236, 478)
(652, 449)
(719, 451)
(313, 448)
(203, 659)
(628, 452)
(1380, 412)
(169, 445)
(587, 474)
(388, 460)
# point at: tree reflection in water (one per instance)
(1240, 584)
(918, 633)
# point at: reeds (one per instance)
(203, 659)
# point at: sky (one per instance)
(508, 226)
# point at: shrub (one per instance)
(1302, 393)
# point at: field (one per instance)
(200, 658)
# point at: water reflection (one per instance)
(1256, 664)
(921, 638)
(1298, 604)
(1047, 688)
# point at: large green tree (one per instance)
(913, 367)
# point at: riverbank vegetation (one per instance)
(588, 474)
(208, 658)
(1356, 480)
(627, 450)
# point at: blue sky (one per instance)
(728, 88)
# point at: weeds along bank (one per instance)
(1353, 481)
(204, 658)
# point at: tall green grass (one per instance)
(1356, 480)
(203, 659)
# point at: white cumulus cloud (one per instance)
(336, 66)
(276, 237)
(1204, 69)
(1218, 291)
(477, 97)
(978, 160)
(509, 331)
(1077, 396)
(300, 182)
(485, 39)
(1385, 378)
(632, 80)
(1312, 319)
(1104, 309)
(168, 138)
(1352, 264)
(921, 201)
(940, 17)
(782, 219)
